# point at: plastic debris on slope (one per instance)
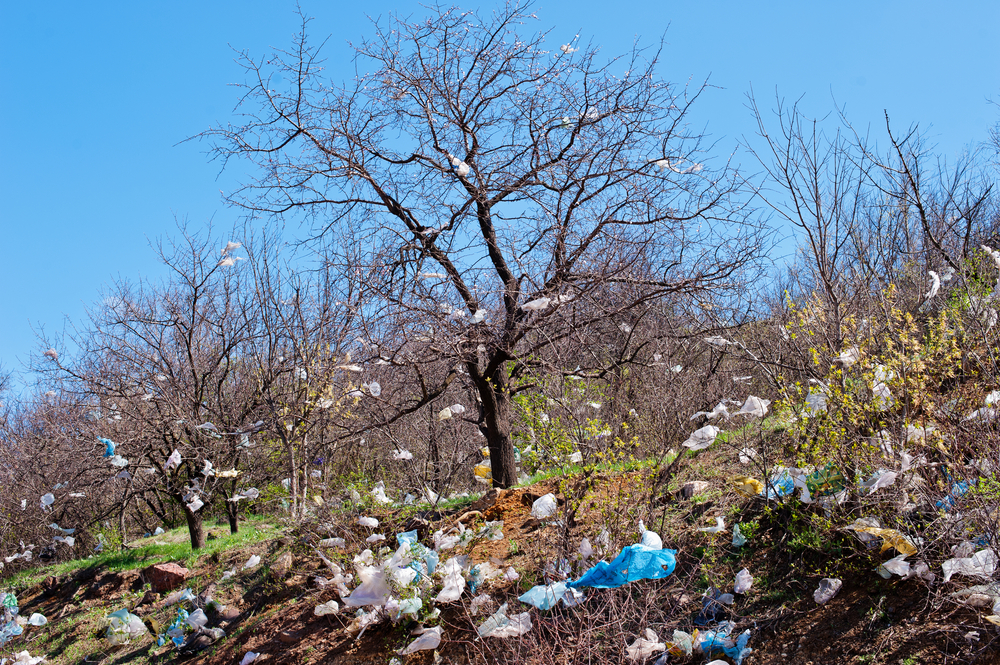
(124, 627)
(454, 582)
(635, 562)
(981, 564)
(739, 540)
(251, 562)
(544, 507)
(897, 566)
(25, 658)
(501, 625)
(645, 647)
(828, 588)
(329, 607)
(712, 642)
(249, 657)
(720, 526)
(429, 639)
(37, 620)
(8, 617)
(754, 407)
(744, 580)
(702, 438)
(544, 597)
(748, 486)
(890, 537)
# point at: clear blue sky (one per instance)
(97, 96)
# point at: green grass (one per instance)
(172, 545)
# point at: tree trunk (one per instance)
(232, 514)
(196, 529)
(496, 411)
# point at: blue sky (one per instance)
(98, 97)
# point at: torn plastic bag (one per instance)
(500, 625)
(715, 641)
(373, 589)
(890, 537)
(828, 480)
(702, 438)
(739, 540)
(544, 507)
(780, 484)
(407, 537)
(878, 480)
(828, 588)
(124, 627)
(681, 644)
(544, 597)
(744, 580)
(645, 647)
(748, 486)
(429, 639)
(330, 607)
(454, 583)
(635, 562)
(898, 566)
(981, 564)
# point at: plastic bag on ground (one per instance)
(702, 438)
(24, 658)
(635, 562)
(681, 645)
(544, 507)
(544, 597)
(251, 562)
(329, 607)
(124, 627)
(249, 657)
(744, 580)
(645, 647)
(454, 583)
(739, 540)
(981, 564)
(373, 589)
(37, 620)
(714, 641)
(429, 639)
(720, 526)
(890, 538)
(828, 588)
(898, 566)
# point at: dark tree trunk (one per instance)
(495, 396)
(196, 529)
(232, 514)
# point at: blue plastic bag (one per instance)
(110, 446)
(544, 597)
(406, 537)
(636, 562)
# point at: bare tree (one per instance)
(492, 183)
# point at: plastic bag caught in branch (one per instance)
(702, 438)
(890, 538)
(645, 647)
(429, 639)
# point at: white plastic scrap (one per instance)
(24, 658)
(720, 411)
(47, 500)
(720, 526)
(402, 455)
(879, 479)
(536, 305)
(429, 639)
(249, 657)
(981, 564)
(702, 438)
(251, 562)
(755, 407)
(333, 542)
(645, 647)
(173, 461)
(330, 607)
(828, 588)
(369, 522)
(848, 357)
(454, 583)
(37, 620)
(544, 507)
(718, 342)
(898, 566)
(744, 580)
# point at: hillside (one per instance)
(269, 608)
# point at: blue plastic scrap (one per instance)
(957, 491)
(545, 597)
(8, 617)
(406, 537)
(781, 484)
(712, 642)
(110, 446)
(636, 562)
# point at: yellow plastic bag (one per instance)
(748, 486)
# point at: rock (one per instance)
(282, 566)
(289, 636)
(693, 488)
(165, 577)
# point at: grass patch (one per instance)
(172, 545)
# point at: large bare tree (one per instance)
(496, 189)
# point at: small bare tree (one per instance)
(497, 191)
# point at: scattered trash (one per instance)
(828, 588)
(754, 406)
(249, 657)
(702, 438)
(369, 522)
(890, 538)
(402, 455)
(748, 486)
(714, 641)
(544, 507)
(544, 597)
(429, 639)
(739, 540)
(645, 647)
(720, 526)
(124, 627)
(981, 564)
(330, 607)
(253, 561)
(635, 562)
(897, 566)
(500, 625)
(37, 620)
(744, 580)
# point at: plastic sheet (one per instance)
(645, 647)
(124, 627)
(715, 641)
(544, 597)
(702, 438)
(828, 588)
(329, 607)
(744, 580)
(635, 562)
(739, 540)
(981, 564)
(429, 639)
(890, 537)
(544, 507)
